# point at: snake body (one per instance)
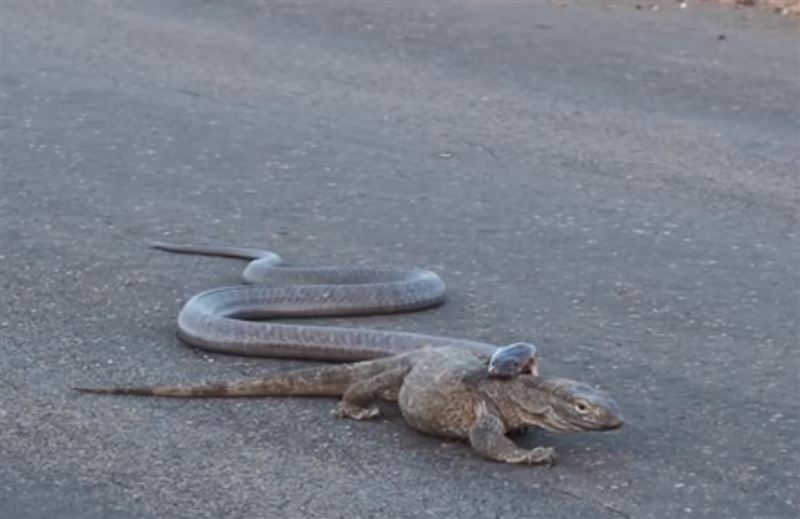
(236, 319)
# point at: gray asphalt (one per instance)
(617, 185)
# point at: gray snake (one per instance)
(236, 319)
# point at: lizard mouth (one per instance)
(545, 418)
(548, 419)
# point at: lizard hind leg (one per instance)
(358, 402)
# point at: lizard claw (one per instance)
(542, 456)
(348, 410)
(537, 456)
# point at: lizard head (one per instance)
(562, 405)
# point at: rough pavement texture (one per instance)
(782, 7)
(618, 186)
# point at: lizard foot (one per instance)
(537, 456)
(348, 410)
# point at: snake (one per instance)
(241, 319)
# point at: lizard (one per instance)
(444, 391)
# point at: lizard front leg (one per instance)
(357, 401)
(487, 436)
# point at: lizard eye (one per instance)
(581, 407)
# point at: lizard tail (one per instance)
(323, 381)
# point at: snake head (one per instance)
(514, 359)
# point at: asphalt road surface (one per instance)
(617, 185)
